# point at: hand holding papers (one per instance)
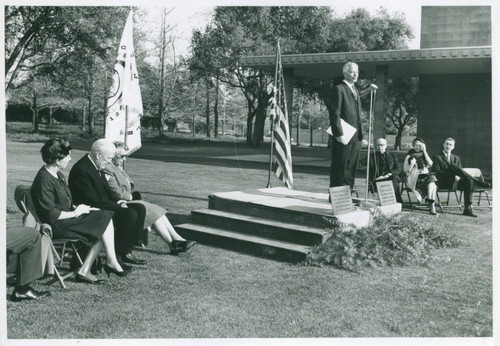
(347, 129)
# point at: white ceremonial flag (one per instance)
(124, 101)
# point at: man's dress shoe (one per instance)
(129, 258)
(468, 211)
(29, 294)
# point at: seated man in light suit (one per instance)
(384, 166)
(450, 175)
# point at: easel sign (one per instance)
(386, 193)
(341, 200)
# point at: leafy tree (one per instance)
(359, 31)
(401, 106)
(71, 45)
(39, 37)
(239, 31)
(39, 95)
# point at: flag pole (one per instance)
(273, 115)
(370, 124)
(126, 130)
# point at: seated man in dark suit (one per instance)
(384, 166)
(450, 175)
(26, 244)
(89, 186)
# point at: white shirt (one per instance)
(351, 86)
(448, 156)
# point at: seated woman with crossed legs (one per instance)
(122, 186)
(420, 180)
(54, 205)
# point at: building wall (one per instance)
(455, 26)
(457, 106)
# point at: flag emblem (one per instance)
(124, 107)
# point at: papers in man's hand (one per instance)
(347, 129)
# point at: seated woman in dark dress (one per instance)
(54, 205)
(419, 178)
(121, 187)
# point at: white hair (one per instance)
(101, 145)
(347, 65)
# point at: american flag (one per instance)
(282, 160)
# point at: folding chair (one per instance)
(24, 201)
(446, 204)
(405, 188)
(476, 173)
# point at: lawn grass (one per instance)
(215, 293)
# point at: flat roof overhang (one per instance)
(401, 63)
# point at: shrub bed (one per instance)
(391, 240)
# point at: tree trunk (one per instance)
(50, 115)
(83, 118)
(216, 109)
(249, 130)
(207, 111)
(298, 127)
(311, 132)
(34, 126)
(258, 131)
(91, 117)
(105, 104)
(162, 72)
(399, 136)
(195, 101)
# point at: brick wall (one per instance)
(457, 106)
(455, 26)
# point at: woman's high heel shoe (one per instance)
(83, 279)
(110, 270)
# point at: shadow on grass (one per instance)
(151, 251)
(172, 195)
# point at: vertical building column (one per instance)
(288, 77)
(381, 76)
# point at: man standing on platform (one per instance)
(346, 107)
(384, 166)
(450, 175)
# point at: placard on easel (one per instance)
(386, 193)
(341, 200)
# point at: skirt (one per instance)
(422, 181)
(153, 212)
(88, 228)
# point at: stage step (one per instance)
(274, 222)
(270, 212)
(251, 225)
(240, 242)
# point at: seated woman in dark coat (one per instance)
(54, 205)
(122, 186)
(420, 180)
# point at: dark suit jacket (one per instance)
(347, 107)
(441, 168)
(89, 187)
(392, 166)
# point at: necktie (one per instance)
(354, 92)
(103, 175)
